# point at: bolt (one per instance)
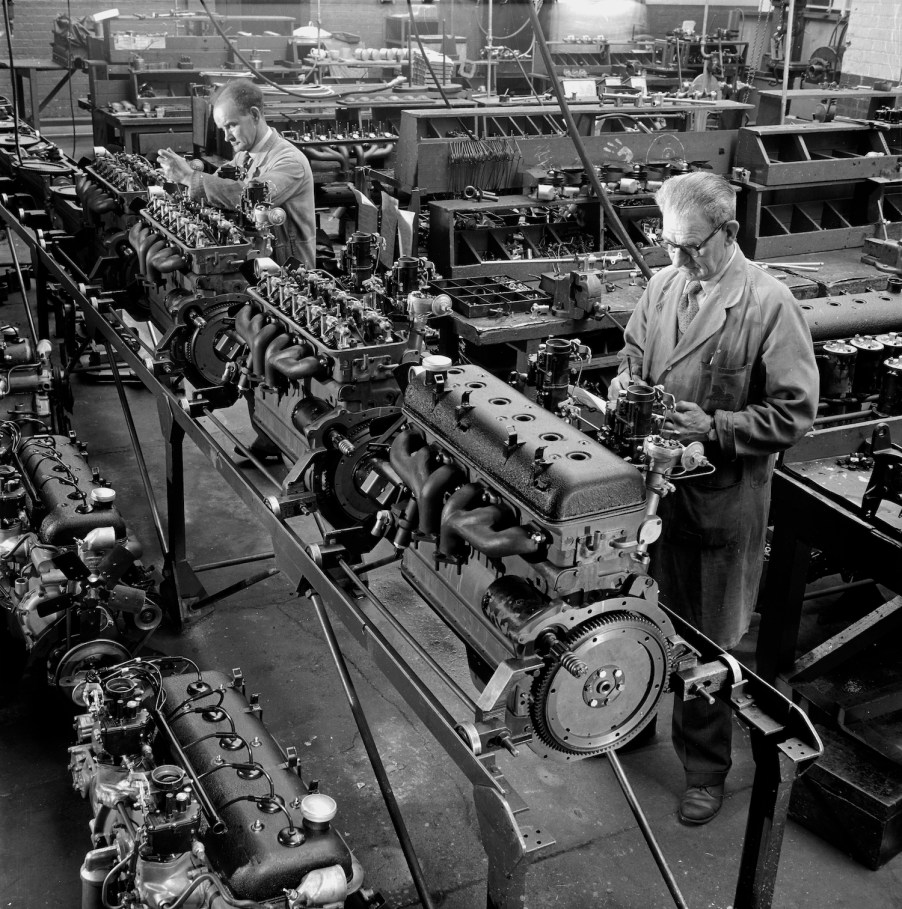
(256, 742)
(618, 673)
(593, 703)
(219, 759)
(602, 674)
(257, 826)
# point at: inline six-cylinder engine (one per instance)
(194, 804)
(71, 584)
(325, 365)
(529, 539)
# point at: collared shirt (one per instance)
(255, 155)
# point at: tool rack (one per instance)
(799, 153)
(588, 59)
(426, 137)
(516, 233)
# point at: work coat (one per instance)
(287, 171)
(747, 358)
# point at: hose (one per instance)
(104, 890)
(217, 886)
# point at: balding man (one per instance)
(730, 343)
(260, 153)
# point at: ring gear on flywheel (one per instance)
(629, 661)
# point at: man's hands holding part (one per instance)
(689, 423)
(175, 168)
(619, 383)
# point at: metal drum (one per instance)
(836, 366)
(892, 342)
(890, 402)
(869, 357)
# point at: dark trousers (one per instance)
(702, 735)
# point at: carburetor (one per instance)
(195, 804)
(29, 385)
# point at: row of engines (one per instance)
(527, 535)
(194, 804)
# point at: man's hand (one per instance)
(619, 383)
(689, 423)
(175, 168)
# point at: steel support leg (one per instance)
(42, 298)
(507, 850)
(775, 773)
(787, 577)
(180, 583)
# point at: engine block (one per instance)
(322, 365)
(72, 585)
(193, 801)
(527, 537)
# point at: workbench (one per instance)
(29, 68)
(816, 504)
(140, 134)
(845, 682)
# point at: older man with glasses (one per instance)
(730, 343)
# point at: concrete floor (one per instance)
(600, 858)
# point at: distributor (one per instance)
(730, 343)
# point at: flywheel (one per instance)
(628, 659)
(200, 349)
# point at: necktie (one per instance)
(248, 170)
(688, 306)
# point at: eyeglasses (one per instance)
(695, 250)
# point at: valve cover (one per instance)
(547, 467)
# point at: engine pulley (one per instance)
(628, 659)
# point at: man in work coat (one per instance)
(730, 343)
(260, 153)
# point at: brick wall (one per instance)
(875, 33)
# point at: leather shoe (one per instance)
(701, 803)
